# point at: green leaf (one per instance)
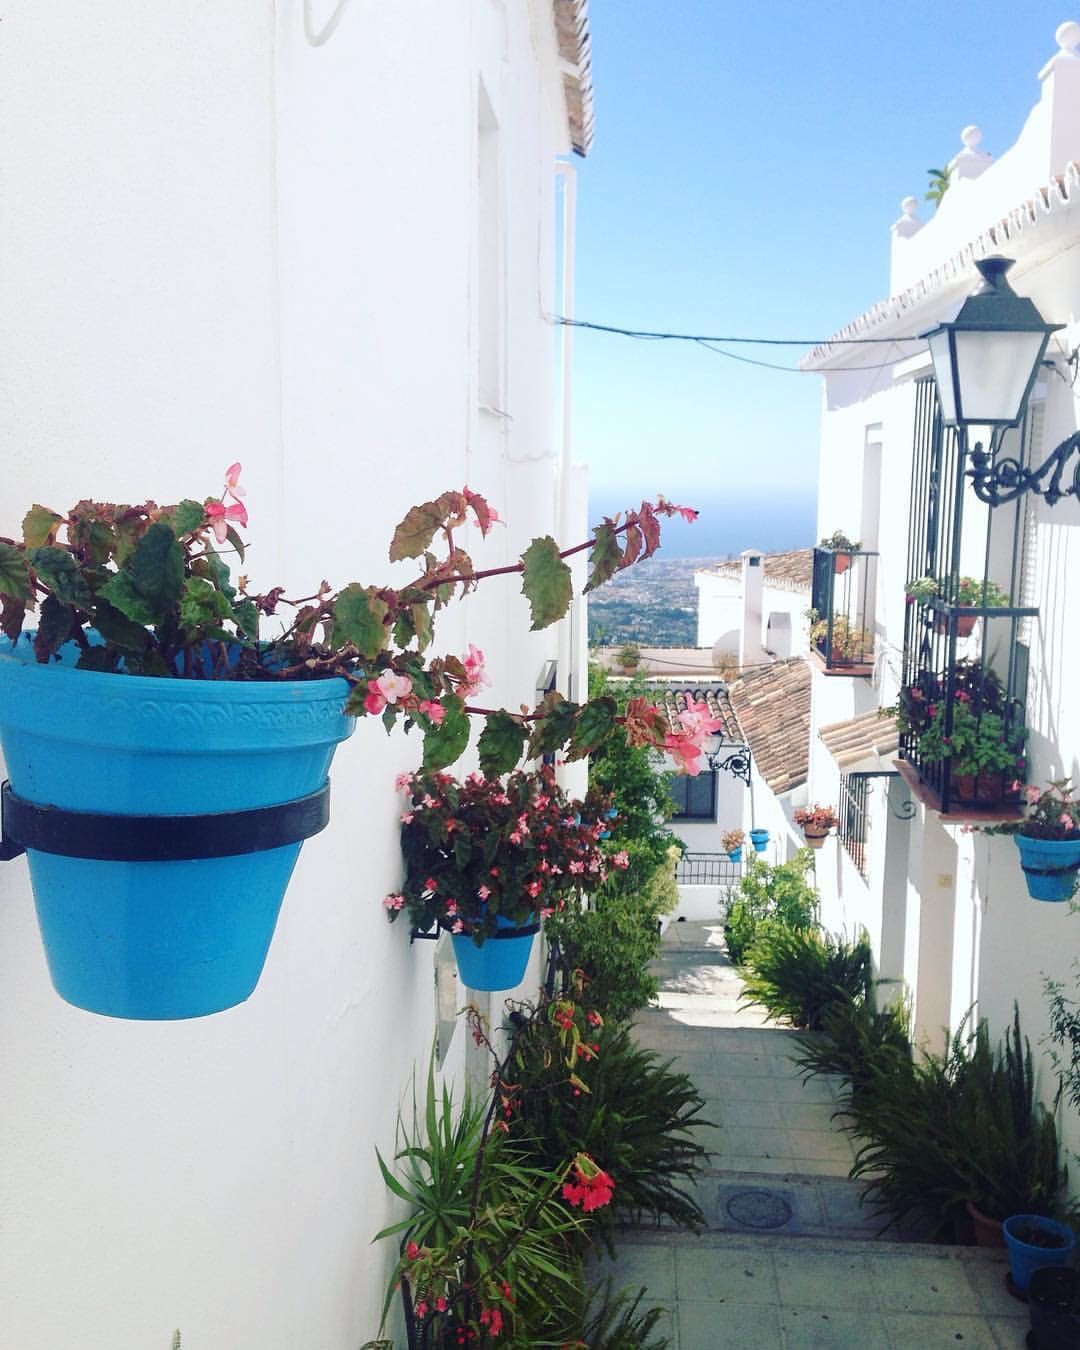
(60, 572)
(39, 526)
(54, 627)
(235, 540)
(501, 743)
(592, 726)
(606, 556)
(122, 593)
(12, 614)
(201, 605)
(443, 744)
(98, 658)
(14, 574)
(246, 616)
(358, 618)
(547, 582)
(188, 516)
(554, 726)
(157, 567)
(117, 629)
(416, 531)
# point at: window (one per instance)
(694, 798)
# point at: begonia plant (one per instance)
(1051, 812)
(816, 819)
(146, 590)
(483, 849)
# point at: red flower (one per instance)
(591, 1187)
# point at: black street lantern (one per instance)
(986, 359)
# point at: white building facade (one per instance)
(945, 905)
(323, 239)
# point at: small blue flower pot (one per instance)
(163, 939)
(500, 962)
(1026, 1257)
(735, 854)
(759, 839)
(1050, 866)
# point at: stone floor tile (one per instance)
(737, 1162)
(1009, 1333)
(825, 1144)
(729, 1064)
(947, 1331)
(750, 1111)
(844, 1209)
(751, 1141)
(638, 1264)
(809, 1115)
(718, 1326)
(922, 1284)
(724, 1275)
(987, 1278)
(810, 1277)
(824, 1329)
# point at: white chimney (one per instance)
(751, 652)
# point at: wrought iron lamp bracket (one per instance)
(736, 761)
(999, 481)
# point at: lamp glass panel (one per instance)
(941, 353)
(993, 369)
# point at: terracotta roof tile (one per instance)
(791, 571)
(772, 706)
(575, 48)
(861, 738)
(675, 696)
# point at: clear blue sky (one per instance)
(749, 160)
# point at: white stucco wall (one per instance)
(223, 243)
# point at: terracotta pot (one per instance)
(965, 624)
(983, 788)
(988, 1232)
(814, 839)
(841, 563)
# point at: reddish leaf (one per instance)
(650, 529)
(606, 556)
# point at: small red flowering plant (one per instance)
(147, 590)
(480, 849)
(816, 819)
(1051, 812)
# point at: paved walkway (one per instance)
(790, 1260)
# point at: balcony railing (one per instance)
(842, 599)
(707, 869)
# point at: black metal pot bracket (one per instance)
(113, 838)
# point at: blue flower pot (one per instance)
(735, 854)
(1026, 1257)
(1050, 866)
(759, 839)
(500, 962)
(160, 940)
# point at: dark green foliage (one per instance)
(1065, 1040)
(852, 1037)
(962, 1126)
(767, 895)
(639, 1120)
(800, 974)
(614, 1322)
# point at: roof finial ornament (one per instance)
(1067, 37)
(909, 223)
(971, 161)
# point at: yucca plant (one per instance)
(798, 975)
(852, 1037)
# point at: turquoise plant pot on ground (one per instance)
(759, 839)
(1027, 1257)
(1050, 866)
(501, 961)
(157, 940)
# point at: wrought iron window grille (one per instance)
(853, 830)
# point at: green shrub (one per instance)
(853, 1037)
(638, 1118)
(800, 974)
(613, 944)
(768, 894)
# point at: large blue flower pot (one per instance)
(160, 940)
(1050, 866)
(1026, 1257)
(501, 961)
(759, 839)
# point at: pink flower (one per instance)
(374, 702)
(429, 801)
(394, 902)
(1015, 785)
(435, 711)
(451, 908)
(533, 888)
(441, 1305)
(406, 817)
(457, 926)
(403, 782)
(420, 1308)
(476, 778)
(621, 859)
(546, 912)
(475, 674)
(515, 836)
(232, 480)
(1032, 793)
(492, 1319)
(687, 512)
(1067, 821)
(431, 884)
(591, 1187)
(219, 515)
(392, 685)
(412, 1251)
(577, 868)
(484, 892)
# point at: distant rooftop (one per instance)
(861, 738)
(791, 571)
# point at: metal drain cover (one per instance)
(758, 1209)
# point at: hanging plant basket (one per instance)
(162, 819)
(816, 838)
(735, 854)
(1050, 866)
(759, 839)
(500, 961)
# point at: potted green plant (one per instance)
(166, 757)
(1048, 839)
(816, 822)
(732, 841)
(847, 644)
(487, 858)
(628, 657)
(843, 547)
(981, 752)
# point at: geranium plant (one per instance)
(970, 592)
(978, 743)
(147, 590)
(482, 849)
(840, 543)
(1051, 812)
(816, 819)
(730, 840)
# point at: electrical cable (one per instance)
(648, 335)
